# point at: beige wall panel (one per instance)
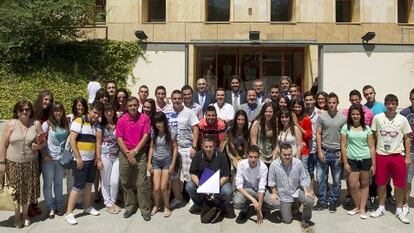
(368, 27)
(316, 11)
(116, 31)
(185, 10)
(388, 33)
(356, 31)
(234, 31)
(129, 32)
(169, 32)
(307, 31)
(259, 10)
(381, 11)
(198, 31)
(269, 31)
(122, 11)
(331, 32)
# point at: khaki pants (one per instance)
(130, 173)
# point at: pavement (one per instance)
(181, 221)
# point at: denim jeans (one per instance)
(312, 161)
(52, 172)
(332, 161)
(226, 192)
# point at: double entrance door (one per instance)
(218, 63)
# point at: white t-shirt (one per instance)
(93, 87)
(183, 123)
(390, 133)
(226, 113)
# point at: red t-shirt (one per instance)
(306, 124)
(217, 131)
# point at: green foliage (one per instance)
(27, 26)
(66, 71)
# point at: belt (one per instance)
(330, 150)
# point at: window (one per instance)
(281, 10)
(344, 10)
(156, 11)
(100, 11)
(405, 11)
(218, 10)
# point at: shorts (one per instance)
(163, 164)
(83, 176)
(391, 165)
(360, 165)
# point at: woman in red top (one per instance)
(305, 126)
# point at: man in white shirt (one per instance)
(224, 110)
(251, 179)
(93, 87)
(189, 103)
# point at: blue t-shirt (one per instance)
(377, 107)
(409, 114)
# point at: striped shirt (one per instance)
(288, 179)
(86, 140)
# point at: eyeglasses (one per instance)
(392, 134)
(24, 110)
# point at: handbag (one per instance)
(67, 158)
(7, 196)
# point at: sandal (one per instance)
(154, 210)
(111, 210)
(167, 212)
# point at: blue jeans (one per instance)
(332, 160)
(52, 172)
(225, 194)
(312, 161)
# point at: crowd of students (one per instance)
(274, 151)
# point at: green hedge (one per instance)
(65, 71)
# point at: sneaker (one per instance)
(92, 211)
(320, 206)
(378, 213)
(27, 223)
(304, 224)
(403, 218)
(332, 207)
(391, 200)
(195, 209)
(242, 218)
(70, 218)
(371, 203)
(406, 210)
(51, 214)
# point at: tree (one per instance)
(26, 26)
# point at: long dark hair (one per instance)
(301, 102)
(64, 122)
(324, 94)
(262, 122)
(39, 112)
(288, 103)
(102, 93)
(153, 108)
(117, 106)
(233, 129)
(361, 112)
(108, 106)
(75, 109)
(286, 113)
(160, 117)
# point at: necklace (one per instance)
(24, 131)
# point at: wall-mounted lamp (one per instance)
(140, 34)
(368, 36)
(254, 35)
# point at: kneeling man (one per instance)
(290, 184)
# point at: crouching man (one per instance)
(251, 179)
(290, 184)
(209, 157)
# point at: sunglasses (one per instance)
(24, 110)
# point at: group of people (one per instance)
(273, 150)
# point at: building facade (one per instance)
(197, 38)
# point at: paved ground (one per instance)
(182, 221)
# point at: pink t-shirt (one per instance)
(132, 130)
(368, 115)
